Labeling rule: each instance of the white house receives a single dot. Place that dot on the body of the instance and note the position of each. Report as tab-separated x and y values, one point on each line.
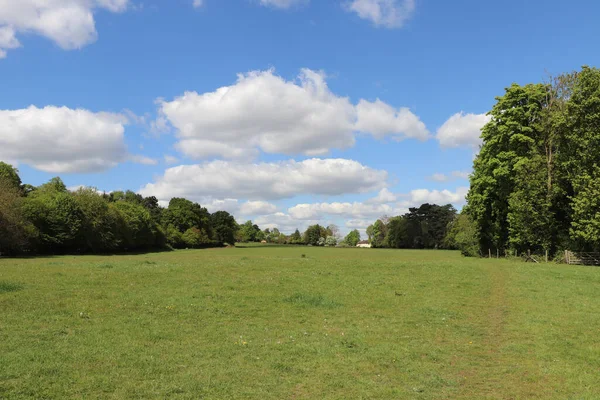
364	243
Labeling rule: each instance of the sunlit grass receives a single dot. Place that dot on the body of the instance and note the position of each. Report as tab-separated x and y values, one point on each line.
267	323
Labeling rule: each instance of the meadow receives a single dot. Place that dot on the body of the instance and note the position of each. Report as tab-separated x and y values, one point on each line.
297	323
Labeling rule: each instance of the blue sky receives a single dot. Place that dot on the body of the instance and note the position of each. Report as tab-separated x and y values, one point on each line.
330	111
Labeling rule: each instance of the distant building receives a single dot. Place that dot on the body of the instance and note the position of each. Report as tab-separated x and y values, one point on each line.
364	243
263	241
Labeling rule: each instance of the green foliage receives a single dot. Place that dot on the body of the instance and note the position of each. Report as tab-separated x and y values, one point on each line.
174	237
296	238
352	238
57	217
314	234
184	214
509	138
14	229
248	232
377	233
99	222
535	179
422	227
462	235
585	228
583	158
195	238
10	175
136	229
397	234
223	227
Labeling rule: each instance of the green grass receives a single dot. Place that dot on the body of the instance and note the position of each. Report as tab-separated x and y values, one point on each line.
267	323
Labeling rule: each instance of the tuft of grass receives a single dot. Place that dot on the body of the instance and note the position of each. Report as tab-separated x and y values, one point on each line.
6	287
106	266
148	262
311	300
303	256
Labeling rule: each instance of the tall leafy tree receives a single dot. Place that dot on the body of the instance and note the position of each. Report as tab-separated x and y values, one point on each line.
352	238
583	158
99	223
508	139
10	175
314	233
296	237
14	229
57	217
224	227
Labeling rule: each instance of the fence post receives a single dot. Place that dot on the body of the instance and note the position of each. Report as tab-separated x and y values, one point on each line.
490	253
567	256
497	253
546	255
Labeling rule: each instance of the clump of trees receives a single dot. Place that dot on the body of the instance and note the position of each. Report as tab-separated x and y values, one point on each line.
536	180
423	227
50	219
352	238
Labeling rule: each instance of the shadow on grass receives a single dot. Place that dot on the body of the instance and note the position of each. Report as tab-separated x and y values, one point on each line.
311	300
6	287
74	254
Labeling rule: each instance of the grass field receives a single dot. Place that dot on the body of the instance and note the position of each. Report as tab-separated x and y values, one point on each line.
268	323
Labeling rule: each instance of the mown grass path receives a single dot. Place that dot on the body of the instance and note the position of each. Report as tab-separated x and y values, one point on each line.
267	323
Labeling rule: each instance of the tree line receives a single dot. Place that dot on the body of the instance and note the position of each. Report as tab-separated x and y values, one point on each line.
535	184
424	227
50	219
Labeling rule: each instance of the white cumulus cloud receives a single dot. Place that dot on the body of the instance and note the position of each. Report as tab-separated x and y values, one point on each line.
62	140
266	181
264	112
462	130
381	119
441	197
385	13
356	210
68	23
257	208
384	196
284	222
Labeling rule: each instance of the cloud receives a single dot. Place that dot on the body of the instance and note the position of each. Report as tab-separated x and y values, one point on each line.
257	208
282	3
441	197
384	13
356	210
264	112
381	119
360	224
266	181
63	140
138	159
198	3
68	23
462	130
384	196
212	205
284	222
454	175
